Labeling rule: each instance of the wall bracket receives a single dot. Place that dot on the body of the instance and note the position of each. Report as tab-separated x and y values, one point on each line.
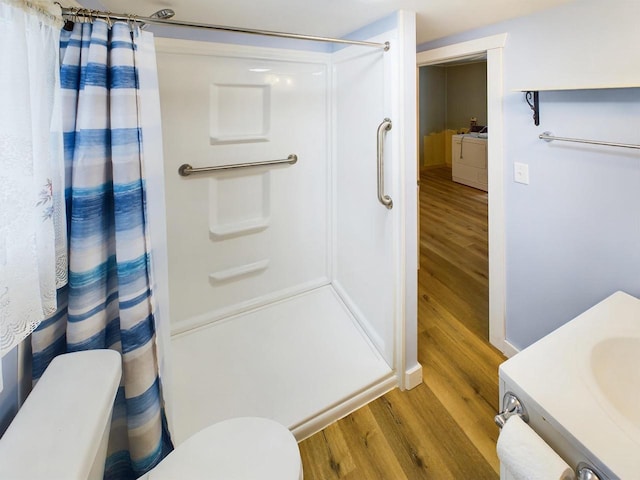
532	99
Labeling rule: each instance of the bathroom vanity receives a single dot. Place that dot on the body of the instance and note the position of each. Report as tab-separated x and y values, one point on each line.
580	385
469	160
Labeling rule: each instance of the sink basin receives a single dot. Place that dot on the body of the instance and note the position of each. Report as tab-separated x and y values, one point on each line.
614	363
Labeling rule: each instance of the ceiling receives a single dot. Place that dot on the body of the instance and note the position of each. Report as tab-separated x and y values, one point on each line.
335	18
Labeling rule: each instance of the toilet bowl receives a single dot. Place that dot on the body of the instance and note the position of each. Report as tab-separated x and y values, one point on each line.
62	432
239	448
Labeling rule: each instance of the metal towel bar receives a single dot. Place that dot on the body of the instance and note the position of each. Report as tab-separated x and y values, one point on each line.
548	136
185	169
384	199
511	405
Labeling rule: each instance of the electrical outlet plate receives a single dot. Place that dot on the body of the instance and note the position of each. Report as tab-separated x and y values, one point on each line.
521	173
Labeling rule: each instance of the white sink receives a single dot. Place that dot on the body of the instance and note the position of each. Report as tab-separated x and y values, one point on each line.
585	378
615	363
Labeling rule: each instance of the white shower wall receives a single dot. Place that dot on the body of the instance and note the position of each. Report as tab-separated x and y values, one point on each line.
246	237
287	287
365	231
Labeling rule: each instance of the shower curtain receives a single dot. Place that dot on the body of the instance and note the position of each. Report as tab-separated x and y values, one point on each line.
109	300
33	243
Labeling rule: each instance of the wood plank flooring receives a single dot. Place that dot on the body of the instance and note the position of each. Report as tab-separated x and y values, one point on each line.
442	429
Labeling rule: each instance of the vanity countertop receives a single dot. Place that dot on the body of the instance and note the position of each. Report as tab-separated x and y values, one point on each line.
585	377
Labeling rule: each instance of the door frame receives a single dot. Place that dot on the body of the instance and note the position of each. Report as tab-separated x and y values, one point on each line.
493	46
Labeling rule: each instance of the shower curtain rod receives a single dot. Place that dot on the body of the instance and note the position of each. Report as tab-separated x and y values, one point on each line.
71	13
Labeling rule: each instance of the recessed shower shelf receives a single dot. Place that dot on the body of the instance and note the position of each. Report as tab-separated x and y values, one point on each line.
238	271
220	232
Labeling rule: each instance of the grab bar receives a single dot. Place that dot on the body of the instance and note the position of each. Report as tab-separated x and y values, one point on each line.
185	169
384	199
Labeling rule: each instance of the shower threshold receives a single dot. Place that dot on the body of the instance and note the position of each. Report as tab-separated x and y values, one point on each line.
303	362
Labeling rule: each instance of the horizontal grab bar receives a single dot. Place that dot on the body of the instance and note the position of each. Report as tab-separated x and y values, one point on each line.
185	169
548	136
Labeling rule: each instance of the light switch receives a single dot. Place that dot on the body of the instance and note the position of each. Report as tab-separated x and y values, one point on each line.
521	173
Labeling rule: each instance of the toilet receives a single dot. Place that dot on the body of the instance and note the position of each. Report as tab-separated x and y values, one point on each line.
62	432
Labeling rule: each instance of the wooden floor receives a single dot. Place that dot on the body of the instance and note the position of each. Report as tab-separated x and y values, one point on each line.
443	428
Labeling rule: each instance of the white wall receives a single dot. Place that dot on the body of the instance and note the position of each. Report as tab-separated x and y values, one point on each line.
573	233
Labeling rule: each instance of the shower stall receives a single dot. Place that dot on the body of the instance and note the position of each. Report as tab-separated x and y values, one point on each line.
291	284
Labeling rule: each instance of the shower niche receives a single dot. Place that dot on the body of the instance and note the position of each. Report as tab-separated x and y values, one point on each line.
239	113
290	284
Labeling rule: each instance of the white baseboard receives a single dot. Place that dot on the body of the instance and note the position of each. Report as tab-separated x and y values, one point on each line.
314	424
508	349
413	377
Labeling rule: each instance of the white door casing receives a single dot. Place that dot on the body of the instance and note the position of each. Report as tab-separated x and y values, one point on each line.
493	46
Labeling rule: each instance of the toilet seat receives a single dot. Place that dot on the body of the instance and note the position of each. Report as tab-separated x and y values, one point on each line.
245	448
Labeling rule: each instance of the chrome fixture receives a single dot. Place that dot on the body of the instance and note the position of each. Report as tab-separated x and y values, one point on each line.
511	406
548	137
74	13
587	472
185	169
385	200
164	14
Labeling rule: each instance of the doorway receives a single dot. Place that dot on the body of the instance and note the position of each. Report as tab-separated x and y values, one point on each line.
453	194
493	48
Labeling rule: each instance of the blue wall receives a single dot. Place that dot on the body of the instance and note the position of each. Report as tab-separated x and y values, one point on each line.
10	392
573	233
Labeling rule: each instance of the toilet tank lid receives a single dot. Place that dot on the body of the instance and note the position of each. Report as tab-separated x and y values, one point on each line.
57	432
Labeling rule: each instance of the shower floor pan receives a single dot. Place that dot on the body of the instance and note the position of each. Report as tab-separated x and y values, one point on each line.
303	362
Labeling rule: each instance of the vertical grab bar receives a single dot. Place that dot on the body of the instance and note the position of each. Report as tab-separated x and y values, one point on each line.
384	199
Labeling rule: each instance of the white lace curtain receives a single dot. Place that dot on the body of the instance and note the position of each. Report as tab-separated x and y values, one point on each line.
32	212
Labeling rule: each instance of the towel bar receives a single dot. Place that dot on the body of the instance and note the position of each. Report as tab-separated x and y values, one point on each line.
549	137
511	405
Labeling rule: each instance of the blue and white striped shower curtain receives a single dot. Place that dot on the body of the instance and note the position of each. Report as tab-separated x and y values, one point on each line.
109	300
